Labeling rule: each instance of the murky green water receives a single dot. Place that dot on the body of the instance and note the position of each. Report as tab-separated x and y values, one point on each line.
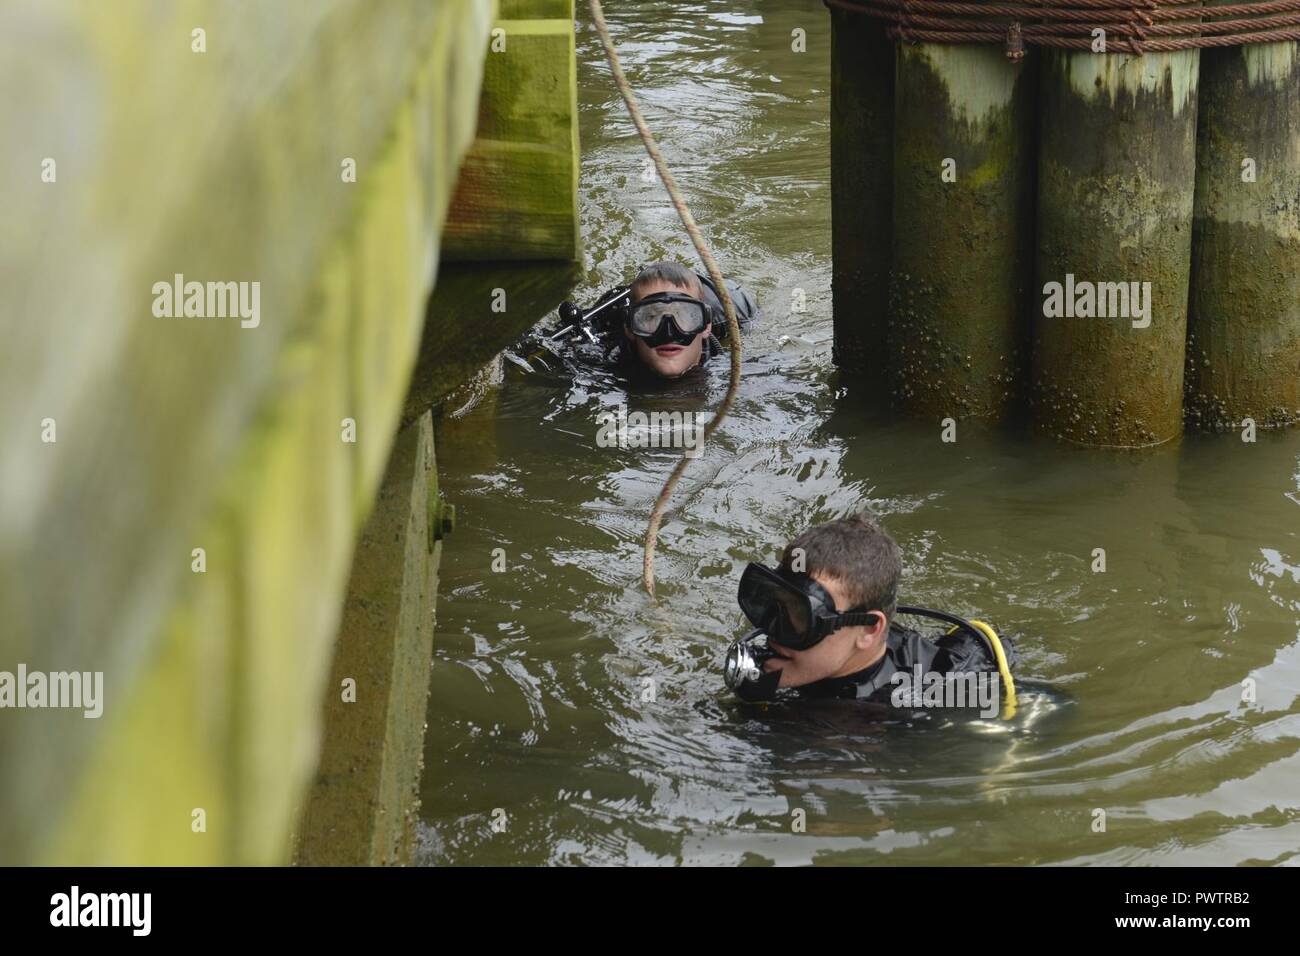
539	719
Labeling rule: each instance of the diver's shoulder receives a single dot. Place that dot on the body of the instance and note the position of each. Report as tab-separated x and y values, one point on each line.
744	301
965	651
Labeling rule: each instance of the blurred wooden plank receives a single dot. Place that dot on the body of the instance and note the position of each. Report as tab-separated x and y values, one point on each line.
517	197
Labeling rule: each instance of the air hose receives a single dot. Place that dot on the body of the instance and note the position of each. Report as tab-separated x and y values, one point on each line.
994	643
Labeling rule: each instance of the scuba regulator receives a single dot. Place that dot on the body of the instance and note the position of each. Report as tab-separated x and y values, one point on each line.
742	669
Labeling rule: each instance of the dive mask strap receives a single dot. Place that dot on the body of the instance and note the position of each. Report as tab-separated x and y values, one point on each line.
854	619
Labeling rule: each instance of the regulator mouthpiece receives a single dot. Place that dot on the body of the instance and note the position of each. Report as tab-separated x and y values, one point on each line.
743	669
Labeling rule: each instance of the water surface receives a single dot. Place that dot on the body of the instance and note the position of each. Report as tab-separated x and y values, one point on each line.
541	717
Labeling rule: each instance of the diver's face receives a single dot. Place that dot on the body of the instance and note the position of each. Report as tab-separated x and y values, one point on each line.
848	650
670	361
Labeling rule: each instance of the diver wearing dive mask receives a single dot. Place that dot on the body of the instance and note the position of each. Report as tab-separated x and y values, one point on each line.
667	322
802	641
673	321
791	613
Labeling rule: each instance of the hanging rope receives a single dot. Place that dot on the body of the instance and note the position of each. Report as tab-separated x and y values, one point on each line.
733	328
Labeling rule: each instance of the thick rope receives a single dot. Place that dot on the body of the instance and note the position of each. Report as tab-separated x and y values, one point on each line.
1135	26
733	328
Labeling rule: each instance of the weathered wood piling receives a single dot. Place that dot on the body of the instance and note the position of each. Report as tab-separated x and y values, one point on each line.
1117	166
1243	342
962	227
862	189
1121	206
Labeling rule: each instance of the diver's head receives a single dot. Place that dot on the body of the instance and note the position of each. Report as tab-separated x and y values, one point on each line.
826	609
667	322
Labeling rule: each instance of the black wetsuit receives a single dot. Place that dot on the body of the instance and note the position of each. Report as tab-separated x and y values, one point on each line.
958	653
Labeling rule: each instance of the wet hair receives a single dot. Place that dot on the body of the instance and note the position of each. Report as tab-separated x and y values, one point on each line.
670	272
857	552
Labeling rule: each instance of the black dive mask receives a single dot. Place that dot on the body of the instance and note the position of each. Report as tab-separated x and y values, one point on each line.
667	317
793	609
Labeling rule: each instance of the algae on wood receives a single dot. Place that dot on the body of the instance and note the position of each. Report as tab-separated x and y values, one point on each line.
517	197
1243	335
963	230
1117	164
174	434
362	808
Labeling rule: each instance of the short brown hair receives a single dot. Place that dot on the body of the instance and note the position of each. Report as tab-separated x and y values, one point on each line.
857	552
664	271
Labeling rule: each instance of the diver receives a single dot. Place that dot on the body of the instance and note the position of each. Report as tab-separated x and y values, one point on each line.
668	321
803	641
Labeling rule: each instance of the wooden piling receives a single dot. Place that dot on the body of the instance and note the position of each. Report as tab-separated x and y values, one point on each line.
1243	341
963	201
862	160
1117	164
